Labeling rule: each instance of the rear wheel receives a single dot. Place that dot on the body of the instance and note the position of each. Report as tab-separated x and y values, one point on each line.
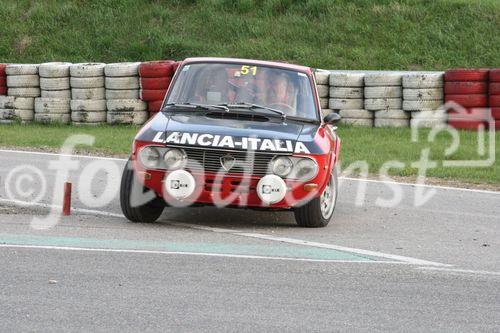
318	212
146	212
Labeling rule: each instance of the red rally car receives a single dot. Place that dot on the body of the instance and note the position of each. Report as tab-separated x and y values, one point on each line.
236	133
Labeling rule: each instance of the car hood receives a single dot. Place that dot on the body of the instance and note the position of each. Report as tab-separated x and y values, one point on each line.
273	135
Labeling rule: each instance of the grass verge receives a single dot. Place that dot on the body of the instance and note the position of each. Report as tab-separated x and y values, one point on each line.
376	146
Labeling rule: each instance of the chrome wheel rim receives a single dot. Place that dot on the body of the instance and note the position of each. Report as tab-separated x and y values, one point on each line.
327	200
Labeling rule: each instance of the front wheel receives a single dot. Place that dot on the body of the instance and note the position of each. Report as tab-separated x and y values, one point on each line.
318	212
130	195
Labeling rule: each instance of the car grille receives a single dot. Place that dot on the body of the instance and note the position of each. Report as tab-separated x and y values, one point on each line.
209	160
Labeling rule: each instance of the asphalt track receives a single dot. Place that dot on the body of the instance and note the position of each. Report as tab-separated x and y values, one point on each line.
430	268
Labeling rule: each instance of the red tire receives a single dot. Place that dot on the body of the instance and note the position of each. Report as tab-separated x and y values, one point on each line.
159	68
176	65
495	75
497	125
495	113
150	95
495	100
2	69
468	101
465	87
155	106
155	82
2	81
152	114
494	88
476	114
472	125
3	90
478	74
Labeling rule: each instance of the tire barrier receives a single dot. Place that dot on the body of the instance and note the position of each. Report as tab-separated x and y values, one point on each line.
3	80
155	78
383	96
322	83
54	104
88	95
494	92
23	86
468	88
347	98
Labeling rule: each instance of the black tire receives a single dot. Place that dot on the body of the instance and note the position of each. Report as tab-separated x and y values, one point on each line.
148	212
310	215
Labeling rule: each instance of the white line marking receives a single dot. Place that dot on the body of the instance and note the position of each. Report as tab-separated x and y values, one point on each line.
346	178
456	270
408	260
206	254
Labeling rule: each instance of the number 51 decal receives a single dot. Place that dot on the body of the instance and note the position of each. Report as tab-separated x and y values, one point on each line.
245	69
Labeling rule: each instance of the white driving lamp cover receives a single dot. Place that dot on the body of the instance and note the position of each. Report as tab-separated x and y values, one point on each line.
271	189
180	184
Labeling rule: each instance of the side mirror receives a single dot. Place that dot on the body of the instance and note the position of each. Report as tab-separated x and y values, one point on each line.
332	118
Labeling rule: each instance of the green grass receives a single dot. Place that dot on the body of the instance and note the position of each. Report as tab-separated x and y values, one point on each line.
342	34
375	146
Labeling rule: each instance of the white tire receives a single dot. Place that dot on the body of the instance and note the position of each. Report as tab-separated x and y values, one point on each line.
383	92
345	92
136	118
6	102
25	114
383	79
88	105
347	79
23	103
423	94
49	118
325	112
23	81
122	83
87	82
341	104
381	122
427	123
122	69
322	77
89	93
122	94
423	80
323	103
438	114
358	114
21	69
57	83
421	105
375	104
322	91
61	94
54	69
124	105
24	92
7	114
52	105
392	114
357	122
87	69
90	117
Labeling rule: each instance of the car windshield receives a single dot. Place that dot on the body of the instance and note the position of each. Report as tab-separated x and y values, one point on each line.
219	83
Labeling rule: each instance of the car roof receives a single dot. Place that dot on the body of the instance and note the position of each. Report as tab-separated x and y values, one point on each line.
293	67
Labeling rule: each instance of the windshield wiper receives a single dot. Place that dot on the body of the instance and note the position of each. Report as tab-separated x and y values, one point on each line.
196	106
254	106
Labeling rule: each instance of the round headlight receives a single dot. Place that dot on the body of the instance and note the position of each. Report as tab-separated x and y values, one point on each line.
306	169
282	166
175	159
149	157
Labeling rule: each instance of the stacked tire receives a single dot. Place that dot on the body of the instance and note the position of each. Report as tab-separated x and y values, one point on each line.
346	98
88	96
467	91
23	85
383	96
3	80
322	85
155	80
54	104
494	100
423	98
122	94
